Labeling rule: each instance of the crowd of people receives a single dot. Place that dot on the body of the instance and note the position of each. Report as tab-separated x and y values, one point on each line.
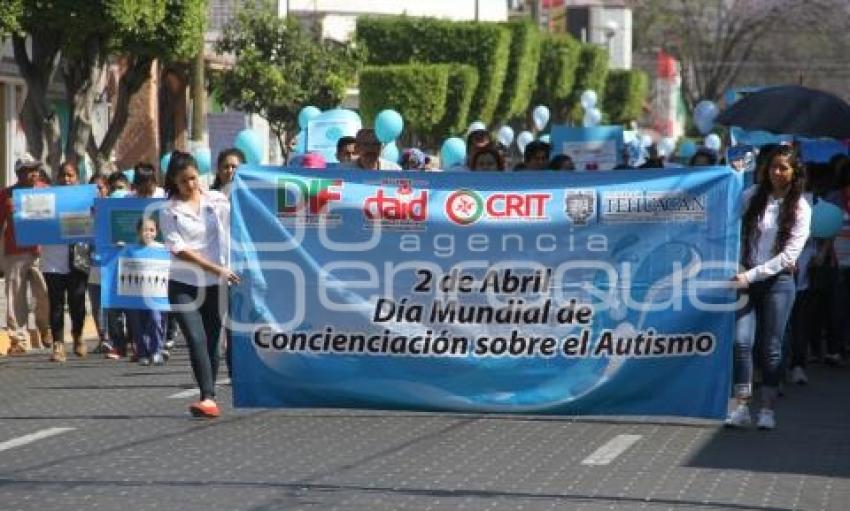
798	286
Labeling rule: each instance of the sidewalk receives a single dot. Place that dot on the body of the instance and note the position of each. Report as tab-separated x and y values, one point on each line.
89	330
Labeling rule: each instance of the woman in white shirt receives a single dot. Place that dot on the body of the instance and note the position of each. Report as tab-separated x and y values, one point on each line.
65	269
775	227
195	225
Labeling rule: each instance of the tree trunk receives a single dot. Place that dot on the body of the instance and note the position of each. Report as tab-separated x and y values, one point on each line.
82	76
40	122
137	73
199	98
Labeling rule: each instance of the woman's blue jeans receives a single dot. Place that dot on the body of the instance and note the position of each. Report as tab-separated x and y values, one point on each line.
199	317
765	315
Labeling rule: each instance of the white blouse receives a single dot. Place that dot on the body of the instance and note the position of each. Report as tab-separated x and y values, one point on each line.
206	232
766	263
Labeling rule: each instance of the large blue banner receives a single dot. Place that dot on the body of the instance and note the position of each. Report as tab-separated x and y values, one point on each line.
54	215
557	293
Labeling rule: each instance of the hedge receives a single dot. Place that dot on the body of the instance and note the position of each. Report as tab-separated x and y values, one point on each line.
625	93
416	91
559	56
591	73
463	80
403	40
521	77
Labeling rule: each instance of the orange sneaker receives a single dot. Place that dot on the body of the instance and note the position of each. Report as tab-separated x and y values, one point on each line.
206	409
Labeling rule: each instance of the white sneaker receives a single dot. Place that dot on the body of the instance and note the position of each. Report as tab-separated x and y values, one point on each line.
766	419
798	376
739	417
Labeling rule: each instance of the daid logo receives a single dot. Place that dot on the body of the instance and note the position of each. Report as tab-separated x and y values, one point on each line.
465	207
400	209
307	200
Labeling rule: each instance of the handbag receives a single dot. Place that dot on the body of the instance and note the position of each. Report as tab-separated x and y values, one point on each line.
80	257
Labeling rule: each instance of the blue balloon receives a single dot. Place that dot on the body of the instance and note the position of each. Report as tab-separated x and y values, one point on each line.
687	149
390	152
251	146
301	144
827	219
347	123
203	156
307	114
129	173
388	126
163	163
452	153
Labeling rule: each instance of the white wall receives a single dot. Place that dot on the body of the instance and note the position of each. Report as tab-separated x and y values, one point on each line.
488	10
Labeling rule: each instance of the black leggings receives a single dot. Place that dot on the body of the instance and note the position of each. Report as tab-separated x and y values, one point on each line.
72	285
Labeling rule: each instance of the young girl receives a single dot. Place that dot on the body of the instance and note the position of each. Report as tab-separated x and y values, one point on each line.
775	227
146	324
196	227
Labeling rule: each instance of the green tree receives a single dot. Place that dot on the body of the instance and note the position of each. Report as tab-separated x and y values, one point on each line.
280	68
78	39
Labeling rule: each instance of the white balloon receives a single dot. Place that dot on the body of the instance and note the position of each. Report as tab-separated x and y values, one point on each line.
713	142
588	99
666	146
540	115
505	136
476	126
592	118
523	139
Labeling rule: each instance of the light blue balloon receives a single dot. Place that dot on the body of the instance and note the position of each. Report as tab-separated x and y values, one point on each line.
827	219
203	156
388	126
452	153
390	152
251	146
307	114
301	144
130	173
347	122
163	163
687	149
119	194
545	138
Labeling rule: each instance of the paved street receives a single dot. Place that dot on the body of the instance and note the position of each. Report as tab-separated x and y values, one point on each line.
98	434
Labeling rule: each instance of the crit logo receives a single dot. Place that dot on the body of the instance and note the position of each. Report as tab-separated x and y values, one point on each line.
306	201
465	207
405	210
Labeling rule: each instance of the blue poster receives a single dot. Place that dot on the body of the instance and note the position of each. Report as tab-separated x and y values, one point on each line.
135	277
550	293
54	215
596	148
116	220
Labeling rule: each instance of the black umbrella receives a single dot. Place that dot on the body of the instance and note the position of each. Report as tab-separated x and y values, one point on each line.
791	110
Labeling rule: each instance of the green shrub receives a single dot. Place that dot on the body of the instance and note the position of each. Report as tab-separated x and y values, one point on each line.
521	77
625	93
416	91
404	40
559	56
463	80
591	73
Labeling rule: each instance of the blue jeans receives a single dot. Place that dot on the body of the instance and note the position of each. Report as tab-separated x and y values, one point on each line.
148	330
201	326
766	315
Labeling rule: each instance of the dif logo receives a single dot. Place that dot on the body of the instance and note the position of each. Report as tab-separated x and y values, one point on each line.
465	207
310	196
402	208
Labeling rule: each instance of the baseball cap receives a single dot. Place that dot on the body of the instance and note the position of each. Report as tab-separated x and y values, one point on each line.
26	161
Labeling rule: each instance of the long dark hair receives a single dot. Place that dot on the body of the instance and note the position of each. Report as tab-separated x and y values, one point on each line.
222	156
787	211
178	163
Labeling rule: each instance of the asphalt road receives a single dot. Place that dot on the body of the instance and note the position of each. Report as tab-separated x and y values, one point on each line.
97	434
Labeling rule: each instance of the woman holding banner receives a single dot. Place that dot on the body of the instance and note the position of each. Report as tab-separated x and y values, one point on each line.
775	227
195	225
